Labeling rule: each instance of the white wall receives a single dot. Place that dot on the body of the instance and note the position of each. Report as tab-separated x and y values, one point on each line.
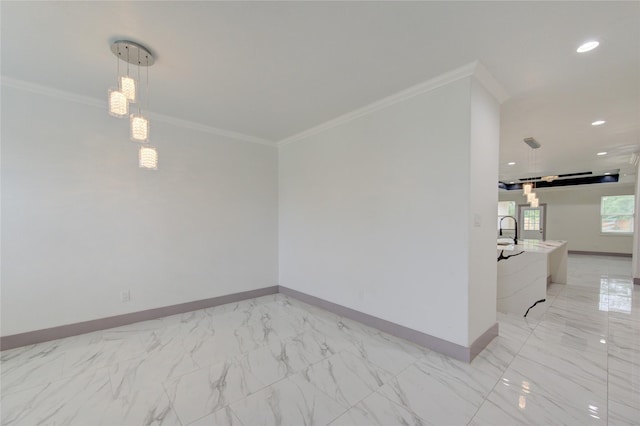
81	222
483	273
573	214
375	213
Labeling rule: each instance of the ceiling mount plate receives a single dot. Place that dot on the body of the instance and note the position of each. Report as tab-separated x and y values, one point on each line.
133	53
534	144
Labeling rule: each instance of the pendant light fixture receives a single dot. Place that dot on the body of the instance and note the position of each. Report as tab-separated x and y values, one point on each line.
139	128
528	187
128	92
118	104
148	158
128	88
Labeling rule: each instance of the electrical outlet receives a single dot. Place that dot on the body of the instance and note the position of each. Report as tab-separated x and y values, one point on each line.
125	296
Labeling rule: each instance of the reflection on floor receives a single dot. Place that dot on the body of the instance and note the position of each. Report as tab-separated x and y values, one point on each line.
574	360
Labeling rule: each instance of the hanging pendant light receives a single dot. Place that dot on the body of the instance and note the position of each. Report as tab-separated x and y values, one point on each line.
119	99
128	88
535	202
117	103
528	187
148	158
139	128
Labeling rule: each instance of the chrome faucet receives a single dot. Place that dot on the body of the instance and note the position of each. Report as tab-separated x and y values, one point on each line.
515	238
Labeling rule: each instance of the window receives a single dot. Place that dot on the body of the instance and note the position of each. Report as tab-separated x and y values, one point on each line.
506	208
531	220
616	214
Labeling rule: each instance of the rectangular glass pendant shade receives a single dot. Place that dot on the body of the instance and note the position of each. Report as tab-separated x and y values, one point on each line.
530	197
535	203
526	188
148	158
139	128
128	87
118	104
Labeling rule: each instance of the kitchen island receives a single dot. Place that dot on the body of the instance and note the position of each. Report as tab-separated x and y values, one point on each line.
524	271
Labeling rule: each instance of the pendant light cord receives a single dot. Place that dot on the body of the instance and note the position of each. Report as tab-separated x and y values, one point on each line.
147	88
139	100
118	67
127	47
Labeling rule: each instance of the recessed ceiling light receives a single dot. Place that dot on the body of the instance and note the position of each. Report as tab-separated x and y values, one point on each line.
512	182
511	163
598	122
590	45
607	173
602	153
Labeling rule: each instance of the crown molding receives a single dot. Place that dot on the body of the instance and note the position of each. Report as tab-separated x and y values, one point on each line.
473	69
97	103
483	75
51	92
434	83
179	122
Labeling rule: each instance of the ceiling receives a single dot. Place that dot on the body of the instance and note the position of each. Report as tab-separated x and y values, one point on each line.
271	70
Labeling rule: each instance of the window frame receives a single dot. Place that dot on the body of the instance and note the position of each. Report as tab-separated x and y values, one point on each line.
532	221
602	216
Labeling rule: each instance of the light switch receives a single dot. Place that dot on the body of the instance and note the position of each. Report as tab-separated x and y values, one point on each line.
477	220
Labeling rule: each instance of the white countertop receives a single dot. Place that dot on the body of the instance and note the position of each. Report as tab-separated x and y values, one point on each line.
533	246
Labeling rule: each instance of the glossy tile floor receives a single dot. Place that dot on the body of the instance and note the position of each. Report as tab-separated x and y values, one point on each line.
273	360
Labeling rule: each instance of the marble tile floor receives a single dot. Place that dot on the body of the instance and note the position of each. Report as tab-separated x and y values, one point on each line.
575	360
